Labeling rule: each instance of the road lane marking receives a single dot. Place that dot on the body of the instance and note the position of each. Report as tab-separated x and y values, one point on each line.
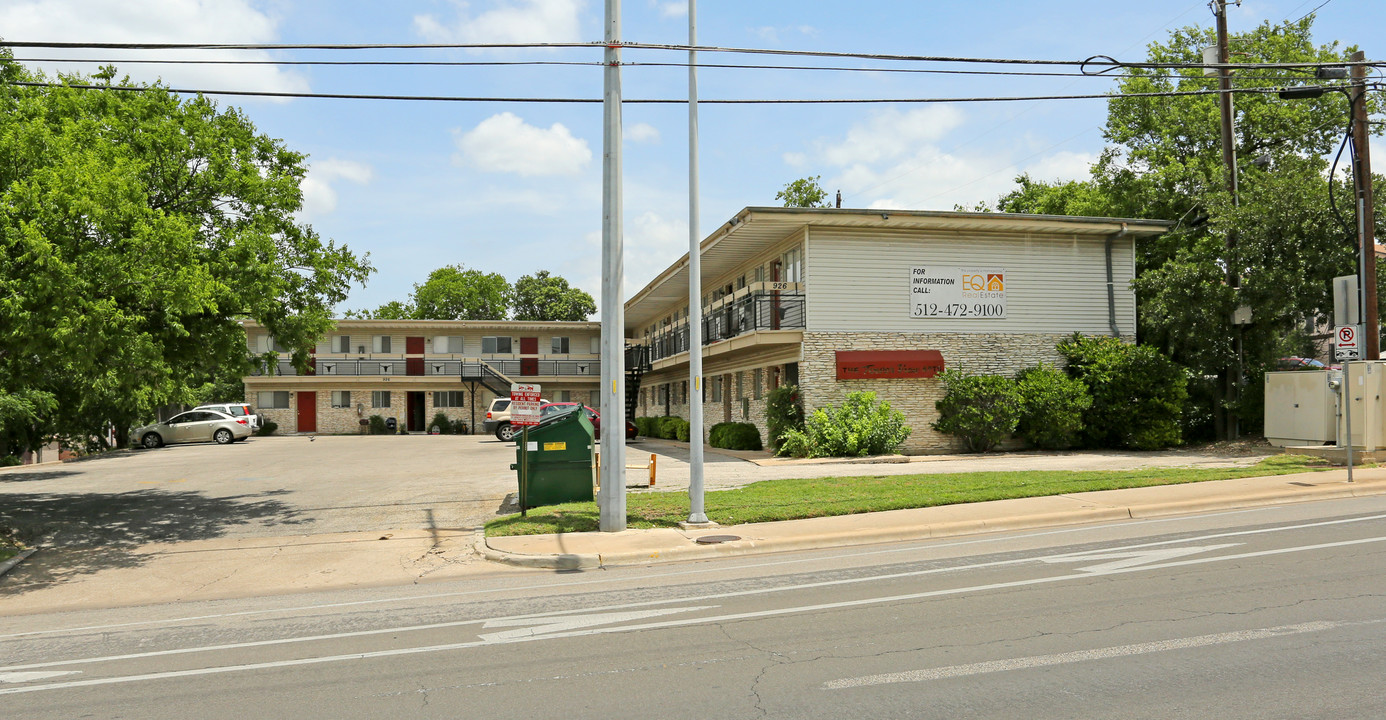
19	677
913	547
1127	559
1035	661
665	624
528	627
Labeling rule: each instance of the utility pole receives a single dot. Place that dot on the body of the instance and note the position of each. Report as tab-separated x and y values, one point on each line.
1232	374
611	501
1366	217
696	512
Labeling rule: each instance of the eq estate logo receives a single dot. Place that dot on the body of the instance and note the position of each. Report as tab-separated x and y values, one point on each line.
984	282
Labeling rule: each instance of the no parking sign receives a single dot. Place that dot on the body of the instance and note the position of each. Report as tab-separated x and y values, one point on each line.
1345	346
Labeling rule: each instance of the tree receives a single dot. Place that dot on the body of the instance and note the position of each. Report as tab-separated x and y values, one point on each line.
804	192
1164	161
456	293
546	297
136	230
393	310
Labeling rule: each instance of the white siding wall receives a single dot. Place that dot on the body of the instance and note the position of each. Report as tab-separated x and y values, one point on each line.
859	281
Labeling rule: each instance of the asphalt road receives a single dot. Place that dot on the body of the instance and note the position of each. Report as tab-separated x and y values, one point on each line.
1273	612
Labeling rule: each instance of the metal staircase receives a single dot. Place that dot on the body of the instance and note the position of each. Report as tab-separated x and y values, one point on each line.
637	364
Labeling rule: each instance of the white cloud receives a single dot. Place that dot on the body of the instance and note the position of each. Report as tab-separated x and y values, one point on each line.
672	9
773	34
505	143
509	21
641	133
651	242
155	21
895	160
319	196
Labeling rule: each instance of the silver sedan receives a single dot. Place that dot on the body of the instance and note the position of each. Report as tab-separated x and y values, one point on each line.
193	426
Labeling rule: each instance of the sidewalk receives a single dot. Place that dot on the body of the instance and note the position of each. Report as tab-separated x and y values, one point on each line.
633	547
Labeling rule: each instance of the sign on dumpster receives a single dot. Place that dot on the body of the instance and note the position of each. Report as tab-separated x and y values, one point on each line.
524	404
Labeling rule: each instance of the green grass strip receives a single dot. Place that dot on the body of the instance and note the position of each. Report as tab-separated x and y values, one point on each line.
772	500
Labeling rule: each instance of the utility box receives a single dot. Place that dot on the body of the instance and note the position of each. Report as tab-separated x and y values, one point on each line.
559	459
1302	408
1362	389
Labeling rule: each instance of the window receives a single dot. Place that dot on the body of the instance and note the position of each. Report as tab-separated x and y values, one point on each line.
272	400
560	346
716	384
382	343
341	398
757	380
341	344
596	345
564	395
740	387
495	346
449	398
447	344
683	392
759	273
791	271
268	343
380	398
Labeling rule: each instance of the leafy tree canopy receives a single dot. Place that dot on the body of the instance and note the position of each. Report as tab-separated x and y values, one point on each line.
136	230
456	293
1164	161
544	297
804	192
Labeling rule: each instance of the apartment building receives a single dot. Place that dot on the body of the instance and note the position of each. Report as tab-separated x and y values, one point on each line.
412	369
837	301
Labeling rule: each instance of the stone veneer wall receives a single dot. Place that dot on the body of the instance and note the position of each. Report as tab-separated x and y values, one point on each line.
975	354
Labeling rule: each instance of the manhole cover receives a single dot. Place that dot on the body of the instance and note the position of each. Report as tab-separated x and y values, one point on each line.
714	539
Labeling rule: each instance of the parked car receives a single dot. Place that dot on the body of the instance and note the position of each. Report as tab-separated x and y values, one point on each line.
193	426
235	410
498	419
1300	363
593	415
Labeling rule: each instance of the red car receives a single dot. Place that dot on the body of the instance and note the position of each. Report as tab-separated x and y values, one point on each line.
593	415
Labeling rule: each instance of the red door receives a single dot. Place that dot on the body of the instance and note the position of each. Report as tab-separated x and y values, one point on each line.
529	366
529	346
413	346
413	366
307	411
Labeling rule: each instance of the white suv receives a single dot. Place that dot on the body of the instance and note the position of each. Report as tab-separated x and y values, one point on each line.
235	410
498	419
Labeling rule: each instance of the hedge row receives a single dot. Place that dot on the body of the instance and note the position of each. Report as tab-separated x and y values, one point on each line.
735	436
668	427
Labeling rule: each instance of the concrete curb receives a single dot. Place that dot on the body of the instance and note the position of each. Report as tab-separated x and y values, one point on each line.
10	564
1096	512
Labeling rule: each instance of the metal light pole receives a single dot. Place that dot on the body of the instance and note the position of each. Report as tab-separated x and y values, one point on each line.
695	289
611	500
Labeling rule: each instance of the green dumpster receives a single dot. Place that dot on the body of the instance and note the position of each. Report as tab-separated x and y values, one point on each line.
559	458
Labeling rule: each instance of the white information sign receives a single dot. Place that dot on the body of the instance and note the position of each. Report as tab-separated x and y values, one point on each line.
1345	343
524	404
937	291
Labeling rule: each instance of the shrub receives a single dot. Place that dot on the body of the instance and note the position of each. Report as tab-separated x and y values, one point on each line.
267	427
682	429
668	427
1137	393
645	426
783	412
735	436
440	419
378	425
981	410
10	460
860	427
460	427
1051	407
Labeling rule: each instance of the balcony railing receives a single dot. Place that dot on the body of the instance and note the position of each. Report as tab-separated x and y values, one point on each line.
722	321
424	367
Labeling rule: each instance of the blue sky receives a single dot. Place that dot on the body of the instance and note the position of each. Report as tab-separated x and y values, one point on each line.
515	188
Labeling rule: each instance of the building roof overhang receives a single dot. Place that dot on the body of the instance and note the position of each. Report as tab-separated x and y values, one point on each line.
755	229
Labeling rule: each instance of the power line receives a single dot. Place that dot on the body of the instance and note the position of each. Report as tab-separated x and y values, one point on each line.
650	101
1093	60
575	63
